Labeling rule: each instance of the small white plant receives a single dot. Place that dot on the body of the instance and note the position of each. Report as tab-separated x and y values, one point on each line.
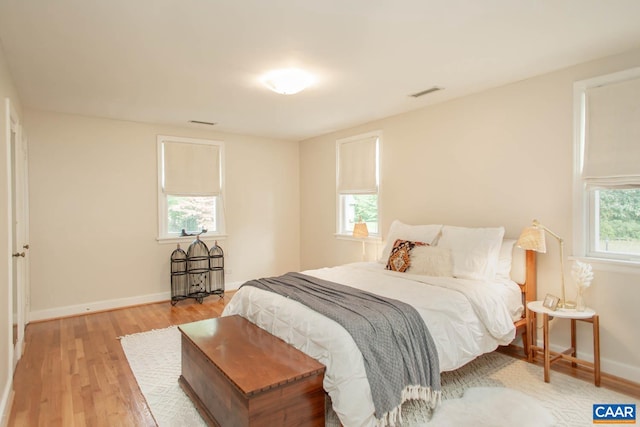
582	274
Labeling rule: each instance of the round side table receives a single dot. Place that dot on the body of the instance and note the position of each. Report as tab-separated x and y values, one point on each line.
588	315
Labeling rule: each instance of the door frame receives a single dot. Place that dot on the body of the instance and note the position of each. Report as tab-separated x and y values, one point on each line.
13	126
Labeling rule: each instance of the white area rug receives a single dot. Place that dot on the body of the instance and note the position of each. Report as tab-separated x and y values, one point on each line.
154	358
494	390
492	406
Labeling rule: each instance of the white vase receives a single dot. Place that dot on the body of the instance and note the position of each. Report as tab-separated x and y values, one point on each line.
580	305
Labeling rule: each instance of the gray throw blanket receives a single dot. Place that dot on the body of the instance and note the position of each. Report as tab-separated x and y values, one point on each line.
399	354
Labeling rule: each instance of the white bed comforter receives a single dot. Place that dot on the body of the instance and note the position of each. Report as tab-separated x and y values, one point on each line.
465	318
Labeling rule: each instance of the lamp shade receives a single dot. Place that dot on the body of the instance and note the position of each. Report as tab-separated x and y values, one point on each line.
532	238
360	230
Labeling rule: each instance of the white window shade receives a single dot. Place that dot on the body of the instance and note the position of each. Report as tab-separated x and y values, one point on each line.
612	149
191	169
357	167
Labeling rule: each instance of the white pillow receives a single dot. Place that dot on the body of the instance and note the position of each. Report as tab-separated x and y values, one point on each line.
431	261
518	265
414	233
475	251
505	259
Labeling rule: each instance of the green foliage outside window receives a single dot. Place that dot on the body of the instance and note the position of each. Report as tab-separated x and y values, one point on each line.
191	214
619	220
366	207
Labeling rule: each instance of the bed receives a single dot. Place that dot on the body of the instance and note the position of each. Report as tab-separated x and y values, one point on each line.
469	285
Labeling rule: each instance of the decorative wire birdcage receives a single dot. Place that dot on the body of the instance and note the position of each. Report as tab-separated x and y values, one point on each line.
179	288
216	267
198	274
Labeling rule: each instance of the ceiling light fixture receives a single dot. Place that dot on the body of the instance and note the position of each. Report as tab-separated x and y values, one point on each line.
288	81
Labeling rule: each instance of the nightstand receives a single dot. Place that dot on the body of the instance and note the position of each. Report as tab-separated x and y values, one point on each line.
588	315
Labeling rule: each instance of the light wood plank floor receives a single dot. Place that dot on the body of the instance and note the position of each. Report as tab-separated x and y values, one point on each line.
74	372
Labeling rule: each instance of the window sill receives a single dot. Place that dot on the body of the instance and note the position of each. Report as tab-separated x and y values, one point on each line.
188	239
612	265
370	239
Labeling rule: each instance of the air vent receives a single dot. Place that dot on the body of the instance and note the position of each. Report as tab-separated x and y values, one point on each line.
424	92
200	122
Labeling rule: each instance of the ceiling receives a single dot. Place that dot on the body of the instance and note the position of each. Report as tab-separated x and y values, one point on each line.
171	61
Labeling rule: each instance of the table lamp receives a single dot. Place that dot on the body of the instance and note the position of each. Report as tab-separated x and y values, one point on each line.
360	231
532	238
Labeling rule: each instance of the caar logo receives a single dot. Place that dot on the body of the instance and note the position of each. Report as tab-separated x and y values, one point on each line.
604	413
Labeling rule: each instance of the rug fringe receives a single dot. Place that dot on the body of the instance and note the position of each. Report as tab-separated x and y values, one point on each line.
393	418
146	332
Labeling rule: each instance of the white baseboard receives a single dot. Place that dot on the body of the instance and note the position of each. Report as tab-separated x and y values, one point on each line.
74	310
7	402
233	286
628	372
611	367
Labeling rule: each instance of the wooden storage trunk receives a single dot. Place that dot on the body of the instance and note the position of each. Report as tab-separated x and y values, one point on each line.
240	375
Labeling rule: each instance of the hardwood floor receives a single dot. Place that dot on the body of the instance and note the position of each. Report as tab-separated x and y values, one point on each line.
610	382
74	372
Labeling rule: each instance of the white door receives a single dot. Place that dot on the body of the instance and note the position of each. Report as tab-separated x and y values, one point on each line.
19	230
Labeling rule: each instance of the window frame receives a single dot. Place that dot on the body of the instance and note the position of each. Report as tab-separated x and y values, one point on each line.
341	232
163	235
585	202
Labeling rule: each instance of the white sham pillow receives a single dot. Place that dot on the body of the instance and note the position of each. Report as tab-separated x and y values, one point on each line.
518	271
414	233
475	251
503	270
431	261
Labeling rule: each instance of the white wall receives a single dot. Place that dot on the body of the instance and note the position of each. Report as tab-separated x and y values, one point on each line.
7	90
93	191
500	157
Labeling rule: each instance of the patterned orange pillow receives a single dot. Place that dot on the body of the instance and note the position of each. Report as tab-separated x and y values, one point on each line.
400	258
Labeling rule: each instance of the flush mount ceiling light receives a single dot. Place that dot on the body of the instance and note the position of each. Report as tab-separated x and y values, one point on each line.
288	81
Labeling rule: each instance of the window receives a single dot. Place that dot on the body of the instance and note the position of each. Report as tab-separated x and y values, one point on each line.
357	182
190	182
607	166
